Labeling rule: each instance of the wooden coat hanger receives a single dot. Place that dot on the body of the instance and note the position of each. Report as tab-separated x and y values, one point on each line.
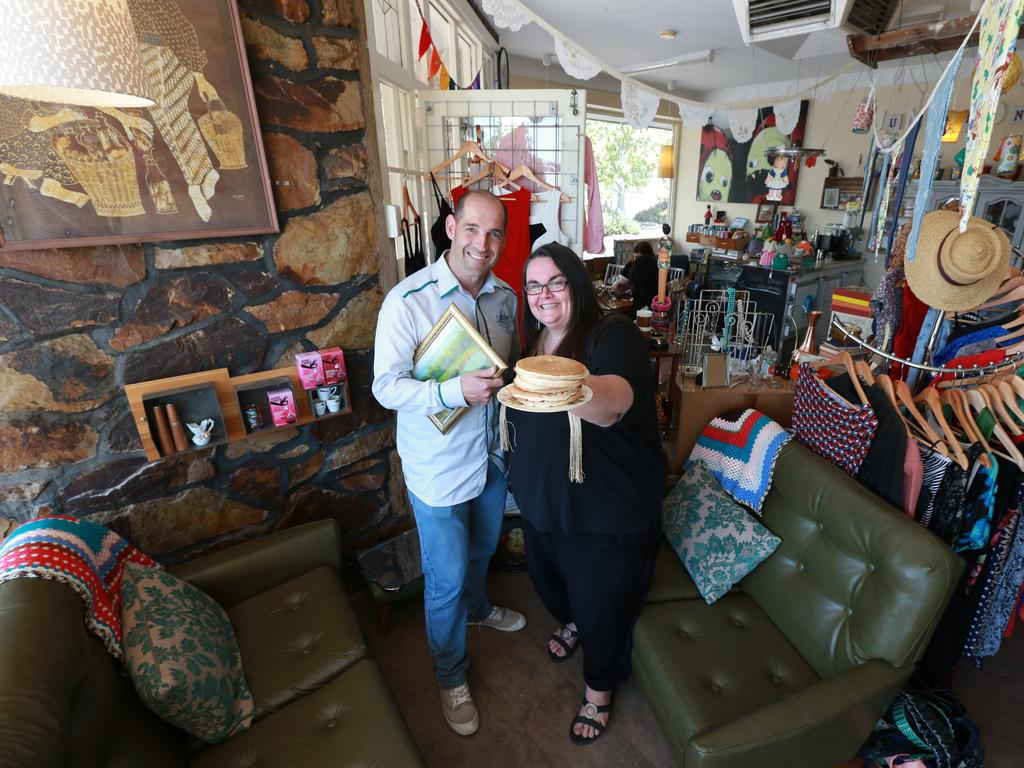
918	421
470	148
523	171
977	401
1016	294
493	171
407	205
844	359
996	401
1009	397
933	401
885	384
864	371
1015	383
961	409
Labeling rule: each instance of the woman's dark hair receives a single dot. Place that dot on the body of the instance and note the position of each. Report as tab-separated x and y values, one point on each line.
586	310
643	248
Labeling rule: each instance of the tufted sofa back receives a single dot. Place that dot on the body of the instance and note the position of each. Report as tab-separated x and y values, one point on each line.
854	579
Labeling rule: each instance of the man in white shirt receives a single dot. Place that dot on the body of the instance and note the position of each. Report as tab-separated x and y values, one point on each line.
456	481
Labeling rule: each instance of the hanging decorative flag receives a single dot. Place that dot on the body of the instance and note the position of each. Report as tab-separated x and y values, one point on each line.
435	62
1000	25
935	131
475	85
444	79
425	40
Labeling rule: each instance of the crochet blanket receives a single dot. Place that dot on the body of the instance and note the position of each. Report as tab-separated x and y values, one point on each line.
741	454
87	557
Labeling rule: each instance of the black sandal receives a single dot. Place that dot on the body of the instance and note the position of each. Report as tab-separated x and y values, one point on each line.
563	641
589	717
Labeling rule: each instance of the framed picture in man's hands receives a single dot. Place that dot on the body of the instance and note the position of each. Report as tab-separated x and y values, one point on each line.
452	348
190	166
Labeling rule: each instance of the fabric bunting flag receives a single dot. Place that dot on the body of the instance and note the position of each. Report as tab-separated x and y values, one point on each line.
444	79
997	39
435	63
475	85
425	40
933	131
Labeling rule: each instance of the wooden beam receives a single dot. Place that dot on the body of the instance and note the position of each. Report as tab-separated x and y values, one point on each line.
912	41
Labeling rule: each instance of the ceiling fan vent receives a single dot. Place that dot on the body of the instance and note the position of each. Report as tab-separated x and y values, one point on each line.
871	17
771	19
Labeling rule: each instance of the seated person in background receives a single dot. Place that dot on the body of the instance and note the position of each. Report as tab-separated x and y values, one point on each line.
640	274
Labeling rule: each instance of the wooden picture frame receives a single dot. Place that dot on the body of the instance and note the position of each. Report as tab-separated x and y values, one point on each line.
837	191
191	166
452	348
765	213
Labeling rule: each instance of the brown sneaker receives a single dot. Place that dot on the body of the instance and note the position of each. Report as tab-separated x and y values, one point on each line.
459	710
503	620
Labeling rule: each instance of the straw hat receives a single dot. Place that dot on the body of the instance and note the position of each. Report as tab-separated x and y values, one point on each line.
955	270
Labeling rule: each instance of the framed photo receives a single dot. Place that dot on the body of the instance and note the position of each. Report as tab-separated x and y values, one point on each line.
830	197
765	213
740	222
190	166
452	347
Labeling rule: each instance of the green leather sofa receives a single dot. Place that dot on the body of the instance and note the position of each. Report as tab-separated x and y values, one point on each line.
320	700
793	668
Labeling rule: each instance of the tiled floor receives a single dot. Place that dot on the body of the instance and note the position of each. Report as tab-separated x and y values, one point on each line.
527	703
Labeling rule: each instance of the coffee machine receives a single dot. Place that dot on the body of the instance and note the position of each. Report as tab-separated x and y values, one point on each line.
834	242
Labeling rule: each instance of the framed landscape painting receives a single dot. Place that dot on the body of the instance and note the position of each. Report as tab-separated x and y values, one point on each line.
452	347
190	166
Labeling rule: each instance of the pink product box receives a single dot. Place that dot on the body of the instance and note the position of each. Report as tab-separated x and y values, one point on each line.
282	406
334	365
311	369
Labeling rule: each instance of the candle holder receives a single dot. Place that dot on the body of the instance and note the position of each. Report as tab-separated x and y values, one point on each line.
661	307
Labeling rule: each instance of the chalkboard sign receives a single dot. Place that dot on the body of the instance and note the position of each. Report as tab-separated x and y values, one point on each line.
769	290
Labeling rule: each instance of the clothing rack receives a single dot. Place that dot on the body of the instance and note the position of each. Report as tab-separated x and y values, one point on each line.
974	370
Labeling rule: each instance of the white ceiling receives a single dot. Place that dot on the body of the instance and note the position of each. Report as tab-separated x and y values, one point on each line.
625	32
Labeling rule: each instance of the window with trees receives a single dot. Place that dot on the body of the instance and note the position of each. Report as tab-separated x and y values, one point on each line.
634	201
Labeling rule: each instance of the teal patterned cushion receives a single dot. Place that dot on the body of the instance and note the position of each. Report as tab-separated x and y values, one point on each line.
718	541
182	656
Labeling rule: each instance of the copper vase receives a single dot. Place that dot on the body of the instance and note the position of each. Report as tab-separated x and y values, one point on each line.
808	348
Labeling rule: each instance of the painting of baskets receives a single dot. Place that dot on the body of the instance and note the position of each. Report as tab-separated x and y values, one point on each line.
104	165
189	166
223	132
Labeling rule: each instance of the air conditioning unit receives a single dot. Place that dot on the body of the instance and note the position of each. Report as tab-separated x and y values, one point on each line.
773	19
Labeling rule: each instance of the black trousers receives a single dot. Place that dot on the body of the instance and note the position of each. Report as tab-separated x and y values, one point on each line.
599	582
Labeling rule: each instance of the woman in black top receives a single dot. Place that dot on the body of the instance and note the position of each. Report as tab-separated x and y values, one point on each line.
641	274
590	546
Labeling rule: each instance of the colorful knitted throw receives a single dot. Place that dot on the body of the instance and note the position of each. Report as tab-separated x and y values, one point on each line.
87	557
741	454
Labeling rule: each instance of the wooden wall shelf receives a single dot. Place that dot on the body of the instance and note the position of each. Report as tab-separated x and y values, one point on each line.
226	388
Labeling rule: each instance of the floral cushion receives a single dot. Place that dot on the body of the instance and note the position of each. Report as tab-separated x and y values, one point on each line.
182	655
718	541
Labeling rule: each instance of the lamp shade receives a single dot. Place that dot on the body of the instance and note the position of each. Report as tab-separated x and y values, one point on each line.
666	162
82	52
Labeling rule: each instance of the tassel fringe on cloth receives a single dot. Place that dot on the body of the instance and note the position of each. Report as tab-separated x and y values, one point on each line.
575	442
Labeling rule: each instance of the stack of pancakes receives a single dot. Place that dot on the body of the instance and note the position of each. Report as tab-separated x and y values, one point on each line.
547	381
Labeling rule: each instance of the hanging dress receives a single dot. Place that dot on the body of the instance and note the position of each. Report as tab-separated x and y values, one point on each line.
413	244
438	234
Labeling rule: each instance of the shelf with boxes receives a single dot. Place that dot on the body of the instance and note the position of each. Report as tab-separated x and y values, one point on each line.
198	410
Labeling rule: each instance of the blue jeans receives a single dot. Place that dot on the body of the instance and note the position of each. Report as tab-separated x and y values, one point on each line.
456	544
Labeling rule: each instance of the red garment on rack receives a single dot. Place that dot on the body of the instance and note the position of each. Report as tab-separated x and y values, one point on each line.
981	359
517	240
912	314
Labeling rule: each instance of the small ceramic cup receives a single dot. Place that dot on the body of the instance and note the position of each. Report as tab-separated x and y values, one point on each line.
325	393
334	404
319	407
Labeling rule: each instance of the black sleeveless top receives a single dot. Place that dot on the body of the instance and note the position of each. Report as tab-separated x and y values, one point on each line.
438	235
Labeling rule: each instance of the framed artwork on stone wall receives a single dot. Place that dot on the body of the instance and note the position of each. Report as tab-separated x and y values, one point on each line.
190	166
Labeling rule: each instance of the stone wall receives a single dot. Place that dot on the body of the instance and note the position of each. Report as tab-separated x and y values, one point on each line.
75	325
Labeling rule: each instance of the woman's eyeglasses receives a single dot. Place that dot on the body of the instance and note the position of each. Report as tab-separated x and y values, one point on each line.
556	285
